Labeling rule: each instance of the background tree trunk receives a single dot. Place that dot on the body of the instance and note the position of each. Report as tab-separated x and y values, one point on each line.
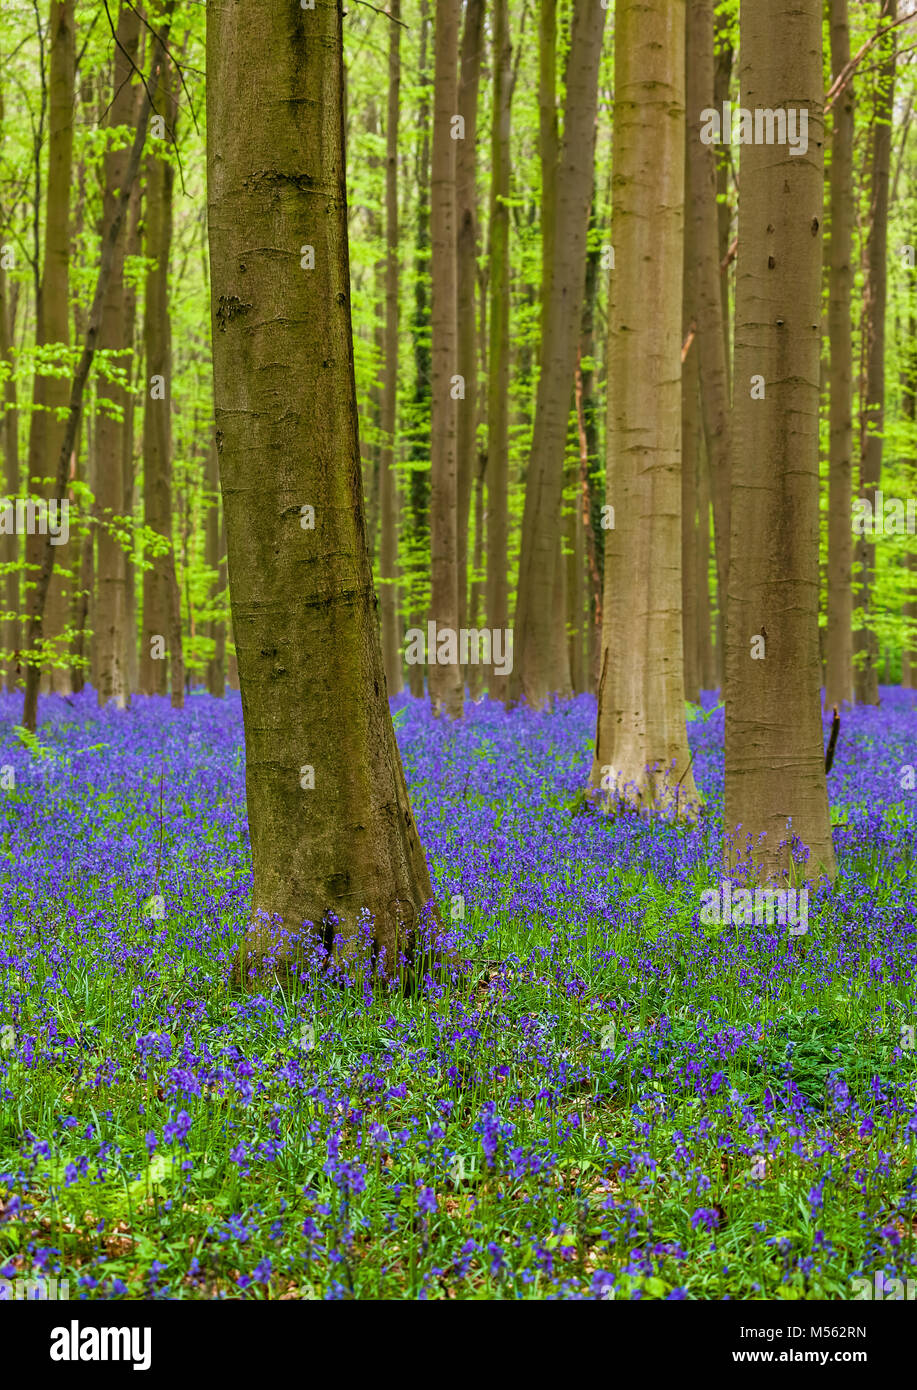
313	690
775	762
158	638
216	666
839	636
52	325
499	344
540	666
419	491
110	608
872	417
711	339
466	201
388	497
446	691
9	437
641	752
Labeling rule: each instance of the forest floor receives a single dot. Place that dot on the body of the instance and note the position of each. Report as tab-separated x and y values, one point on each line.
611	1100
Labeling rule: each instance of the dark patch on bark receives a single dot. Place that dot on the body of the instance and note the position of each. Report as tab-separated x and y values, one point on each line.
230	307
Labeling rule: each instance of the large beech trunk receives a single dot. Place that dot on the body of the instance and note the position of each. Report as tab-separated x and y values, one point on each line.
641	751
332	831
775	762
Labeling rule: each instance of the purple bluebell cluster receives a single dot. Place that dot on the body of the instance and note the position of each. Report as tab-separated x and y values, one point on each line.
610	1098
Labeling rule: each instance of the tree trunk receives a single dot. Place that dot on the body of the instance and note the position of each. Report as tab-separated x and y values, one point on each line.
388	497
111	616
112	238
499	340
536	669
466	203
708	281
9	437
707	673
574	556
690	429
908	356
52	325
419	491
775	761
839	640
331	827
158	637
132	248
591	495
872	419
216	666
446	690
722	81
641	753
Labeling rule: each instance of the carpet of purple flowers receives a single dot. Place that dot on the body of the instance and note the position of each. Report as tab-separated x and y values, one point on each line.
610	1100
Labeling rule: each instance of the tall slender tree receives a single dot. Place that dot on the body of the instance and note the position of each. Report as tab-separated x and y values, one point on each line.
446	690
872	417
388	496
499	344
839	635
701	206
9	438
111	634
466	204
641	747
775	765
52	325
216	666
540	665
331	827
419	486
160	642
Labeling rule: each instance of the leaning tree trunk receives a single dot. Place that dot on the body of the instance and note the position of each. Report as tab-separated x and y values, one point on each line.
641	749
331	827
52	325
388	497
158	636
872	419
839	637
539	657
775	764
111	604
499	344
